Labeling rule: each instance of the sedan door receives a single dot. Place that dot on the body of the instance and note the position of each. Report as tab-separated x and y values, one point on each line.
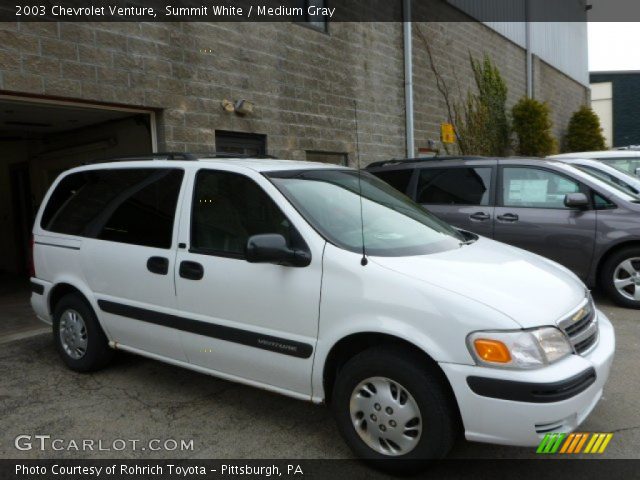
531	214
460	195
257	322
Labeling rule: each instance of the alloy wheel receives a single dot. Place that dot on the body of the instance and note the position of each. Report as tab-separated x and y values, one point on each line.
626	278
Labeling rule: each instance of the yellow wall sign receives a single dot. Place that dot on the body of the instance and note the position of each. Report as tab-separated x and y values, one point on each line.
447	134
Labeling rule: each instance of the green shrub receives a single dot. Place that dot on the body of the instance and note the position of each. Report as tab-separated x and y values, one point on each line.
481	121
584	133
532	126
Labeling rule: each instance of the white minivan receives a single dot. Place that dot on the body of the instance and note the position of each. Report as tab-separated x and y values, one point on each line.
325	284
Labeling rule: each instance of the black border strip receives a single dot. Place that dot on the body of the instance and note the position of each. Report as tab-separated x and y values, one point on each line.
530	391
37	288
221	332
56	245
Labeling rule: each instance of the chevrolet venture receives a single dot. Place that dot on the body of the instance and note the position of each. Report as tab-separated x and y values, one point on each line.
280	275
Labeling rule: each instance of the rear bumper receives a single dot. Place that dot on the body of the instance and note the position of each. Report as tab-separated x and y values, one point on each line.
39	295
518	407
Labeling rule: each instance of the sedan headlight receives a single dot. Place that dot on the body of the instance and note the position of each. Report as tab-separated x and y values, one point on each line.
519	348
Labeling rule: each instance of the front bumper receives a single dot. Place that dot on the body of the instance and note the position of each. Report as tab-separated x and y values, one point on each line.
522	415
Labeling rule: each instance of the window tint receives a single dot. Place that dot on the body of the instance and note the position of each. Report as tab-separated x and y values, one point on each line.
602	203
533	187
398	179
134	206
228	208
454	186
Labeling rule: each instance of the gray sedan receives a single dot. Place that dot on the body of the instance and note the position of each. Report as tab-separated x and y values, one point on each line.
583	222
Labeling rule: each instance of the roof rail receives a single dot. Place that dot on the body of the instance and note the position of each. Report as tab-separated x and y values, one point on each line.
178	156
435	158
153	156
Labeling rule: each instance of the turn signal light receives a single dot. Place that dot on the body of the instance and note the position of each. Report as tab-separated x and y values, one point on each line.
492	350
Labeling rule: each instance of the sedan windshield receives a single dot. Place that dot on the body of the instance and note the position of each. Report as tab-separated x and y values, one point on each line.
389	223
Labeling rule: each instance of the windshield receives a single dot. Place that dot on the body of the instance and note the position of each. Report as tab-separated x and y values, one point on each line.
393	224
607	184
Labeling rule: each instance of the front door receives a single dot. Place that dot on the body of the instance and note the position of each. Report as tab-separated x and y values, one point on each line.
253	321
461	196
532	215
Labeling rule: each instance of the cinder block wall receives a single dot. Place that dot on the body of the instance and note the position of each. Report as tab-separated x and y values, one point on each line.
301	81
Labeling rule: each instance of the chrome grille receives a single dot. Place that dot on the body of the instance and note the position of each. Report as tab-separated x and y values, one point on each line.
581	327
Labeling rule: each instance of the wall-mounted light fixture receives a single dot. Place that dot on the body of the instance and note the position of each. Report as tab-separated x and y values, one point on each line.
241	107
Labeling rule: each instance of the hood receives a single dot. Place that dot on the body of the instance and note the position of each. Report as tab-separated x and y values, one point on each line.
531	290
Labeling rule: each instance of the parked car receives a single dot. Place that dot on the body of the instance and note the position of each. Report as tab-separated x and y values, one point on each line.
590	226
280	275
630	183
627	161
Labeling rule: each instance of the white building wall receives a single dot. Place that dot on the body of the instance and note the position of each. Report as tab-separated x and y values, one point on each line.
602	104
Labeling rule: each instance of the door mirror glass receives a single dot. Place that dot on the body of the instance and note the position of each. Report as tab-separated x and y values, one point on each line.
576	200
272	248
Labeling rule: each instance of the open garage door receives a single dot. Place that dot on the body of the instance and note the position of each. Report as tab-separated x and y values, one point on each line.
39	139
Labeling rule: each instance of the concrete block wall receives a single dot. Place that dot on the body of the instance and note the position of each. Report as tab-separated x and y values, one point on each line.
301	81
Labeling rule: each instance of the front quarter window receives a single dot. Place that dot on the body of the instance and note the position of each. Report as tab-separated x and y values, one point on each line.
391	223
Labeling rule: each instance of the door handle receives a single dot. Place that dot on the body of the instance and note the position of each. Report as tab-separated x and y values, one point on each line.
508	217
191	270
480	216
159	265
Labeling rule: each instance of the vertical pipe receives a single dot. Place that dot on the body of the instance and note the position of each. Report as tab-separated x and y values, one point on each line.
529	56
408	76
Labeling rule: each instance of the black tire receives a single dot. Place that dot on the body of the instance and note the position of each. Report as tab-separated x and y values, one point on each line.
97	353
423	381
608	272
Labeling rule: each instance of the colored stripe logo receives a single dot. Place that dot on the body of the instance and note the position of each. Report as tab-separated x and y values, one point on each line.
574	443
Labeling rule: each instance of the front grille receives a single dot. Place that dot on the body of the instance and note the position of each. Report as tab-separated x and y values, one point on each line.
582	328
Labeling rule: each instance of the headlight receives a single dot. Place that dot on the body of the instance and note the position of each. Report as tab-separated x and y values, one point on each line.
519	348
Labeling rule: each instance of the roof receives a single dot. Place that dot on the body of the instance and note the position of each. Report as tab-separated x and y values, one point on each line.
600	154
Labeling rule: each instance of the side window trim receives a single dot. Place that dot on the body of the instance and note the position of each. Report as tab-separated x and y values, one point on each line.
500	191
221	253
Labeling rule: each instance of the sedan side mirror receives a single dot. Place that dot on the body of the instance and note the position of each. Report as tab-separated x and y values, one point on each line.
576	200
272	248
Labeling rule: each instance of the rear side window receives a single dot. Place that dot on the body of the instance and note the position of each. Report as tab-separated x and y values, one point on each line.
454	186
135	206
398	179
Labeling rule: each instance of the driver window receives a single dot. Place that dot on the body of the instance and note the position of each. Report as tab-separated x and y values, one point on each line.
227	209
535	188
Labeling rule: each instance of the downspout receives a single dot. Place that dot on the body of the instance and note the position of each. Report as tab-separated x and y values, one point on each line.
408	76
529	56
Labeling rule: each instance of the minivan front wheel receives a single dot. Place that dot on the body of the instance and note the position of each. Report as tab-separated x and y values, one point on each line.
392	405
79	339
621	277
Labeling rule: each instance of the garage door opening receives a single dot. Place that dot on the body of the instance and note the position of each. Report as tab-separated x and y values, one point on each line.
39	139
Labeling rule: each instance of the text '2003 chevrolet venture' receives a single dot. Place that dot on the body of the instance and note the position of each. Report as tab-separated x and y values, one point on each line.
253	271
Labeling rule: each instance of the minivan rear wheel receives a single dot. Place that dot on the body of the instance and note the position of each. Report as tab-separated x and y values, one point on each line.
393	409
78	337
620	277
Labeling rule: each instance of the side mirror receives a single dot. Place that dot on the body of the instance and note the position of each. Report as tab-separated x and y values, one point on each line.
272	248
638	172
576	200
